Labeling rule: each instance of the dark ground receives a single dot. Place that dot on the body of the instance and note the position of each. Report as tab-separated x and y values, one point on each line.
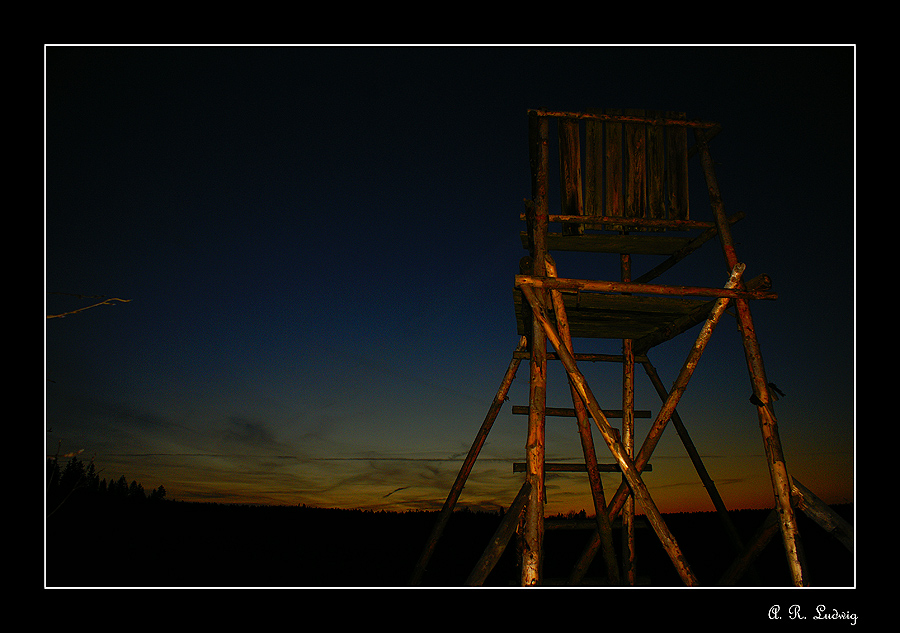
174	544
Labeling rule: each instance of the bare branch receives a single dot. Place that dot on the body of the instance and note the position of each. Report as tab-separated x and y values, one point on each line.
105	302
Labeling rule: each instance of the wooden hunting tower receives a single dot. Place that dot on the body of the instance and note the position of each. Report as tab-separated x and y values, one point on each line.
623	190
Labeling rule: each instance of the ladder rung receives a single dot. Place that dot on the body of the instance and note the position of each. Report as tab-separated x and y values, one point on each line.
555	467
570	413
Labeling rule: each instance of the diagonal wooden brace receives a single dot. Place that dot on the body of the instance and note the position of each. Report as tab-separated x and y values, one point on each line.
679	387
587	442
629	470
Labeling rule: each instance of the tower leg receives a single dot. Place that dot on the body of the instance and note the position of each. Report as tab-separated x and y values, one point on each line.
466	468
768	425
628	537
533	541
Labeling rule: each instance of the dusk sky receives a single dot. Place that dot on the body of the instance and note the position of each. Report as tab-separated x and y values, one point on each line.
318	246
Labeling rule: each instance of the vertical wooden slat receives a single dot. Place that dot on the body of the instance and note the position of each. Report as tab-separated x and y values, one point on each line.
570	173
677	168
656	165
636	167
615	202
593	167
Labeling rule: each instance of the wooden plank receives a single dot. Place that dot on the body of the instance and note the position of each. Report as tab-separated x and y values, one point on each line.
635	167
570	173
656	164
614	183
593	168
609	243
677	169
593	315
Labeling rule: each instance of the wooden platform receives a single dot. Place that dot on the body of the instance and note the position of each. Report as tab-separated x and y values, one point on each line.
642	244
599	315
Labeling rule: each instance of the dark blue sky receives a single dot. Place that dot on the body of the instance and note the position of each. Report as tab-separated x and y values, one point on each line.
319	244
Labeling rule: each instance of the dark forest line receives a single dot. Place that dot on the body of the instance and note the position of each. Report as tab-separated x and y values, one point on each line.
114	534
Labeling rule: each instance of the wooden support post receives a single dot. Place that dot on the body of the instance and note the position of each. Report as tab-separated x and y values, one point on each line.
587	441
533	530
628	539
500	539
466	468
781	484
631	473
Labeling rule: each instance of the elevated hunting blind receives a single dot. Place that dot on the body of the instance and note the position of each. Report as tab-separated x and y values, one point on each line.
623	179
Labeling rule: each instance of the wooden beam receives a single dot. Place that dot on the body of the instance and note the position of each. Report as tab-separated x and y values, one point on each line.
564	412
589	285
608	243
565	467
766	531
614	115
594	222
592	358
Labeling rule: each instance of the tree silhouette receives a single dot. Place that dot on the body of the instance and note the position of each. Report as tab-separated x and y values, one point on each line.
78	483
